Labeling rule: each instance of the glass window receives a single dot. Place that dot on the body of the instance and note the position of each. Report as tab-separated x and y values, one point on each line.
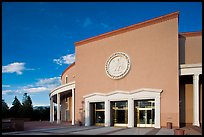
100	118
100	105
66	79
144	103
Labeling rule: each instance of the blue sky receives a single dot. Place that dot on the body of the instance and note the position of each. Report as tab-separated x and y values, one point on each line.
38	37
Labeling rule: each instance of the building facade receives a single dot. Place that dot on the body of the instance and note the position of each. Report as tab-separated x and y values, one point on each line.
143	75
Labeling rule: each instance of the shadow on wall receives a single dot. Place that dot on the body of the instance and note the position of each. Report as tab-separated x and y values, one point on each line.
182	43
182	102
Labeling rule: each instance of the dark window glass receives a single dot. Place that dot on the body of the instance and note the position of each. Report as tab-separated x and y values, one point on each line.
100	105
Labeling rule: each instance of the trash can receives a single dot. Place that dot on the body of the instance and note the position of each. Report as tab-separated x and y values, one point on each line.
179	131
169	125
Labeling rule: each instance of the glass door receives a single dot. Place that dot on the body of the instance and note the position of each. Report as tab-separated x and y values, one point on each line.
120	113
144	113
145	117
99	114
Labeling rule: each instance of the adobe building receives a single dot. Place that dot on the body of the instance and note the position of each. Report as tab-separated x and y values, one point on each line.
143	75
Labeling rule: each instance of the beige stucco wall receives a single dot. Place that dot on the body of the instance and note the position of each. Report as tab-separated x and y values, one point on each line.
190	49
153	51
70	72
186	99
189	103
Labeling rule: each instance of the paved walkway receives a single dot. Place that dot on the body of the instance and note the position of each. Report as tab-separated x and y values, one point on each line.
46	128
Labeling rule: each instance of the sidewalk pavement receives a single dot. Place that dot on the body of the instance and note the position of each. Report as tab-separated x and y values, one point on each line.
67	129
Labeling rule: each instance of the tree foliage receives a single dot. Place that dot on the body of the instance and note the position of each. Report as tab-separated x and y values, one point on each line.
27	107
25	110
16	109
41	113
5	109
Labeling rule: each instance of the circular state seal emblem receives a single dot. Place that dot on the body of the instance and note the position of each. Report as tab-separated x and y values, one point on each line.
117	65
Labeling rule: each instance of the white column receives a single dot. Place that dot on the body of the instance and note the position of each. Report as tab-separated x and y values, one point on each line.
130	112
58	108
107	113
73	106
196	100
157	112
87	114
51	110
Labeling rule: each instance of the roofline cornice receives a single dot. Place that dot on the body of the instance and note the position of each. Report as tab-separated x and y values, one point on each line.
191	34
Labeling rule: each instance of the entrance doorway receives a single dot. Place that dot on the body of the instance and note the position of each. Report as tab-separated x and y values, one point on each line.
144	113
98	113
119	113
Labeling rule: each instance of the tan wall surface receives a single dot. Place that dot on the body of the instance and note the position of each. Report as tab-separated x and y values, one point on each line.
186	95
153	51
70	72
189	103
190	49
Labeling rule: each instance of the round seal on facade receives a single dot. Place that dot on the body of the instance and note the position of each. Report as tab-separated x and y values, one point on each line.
117	65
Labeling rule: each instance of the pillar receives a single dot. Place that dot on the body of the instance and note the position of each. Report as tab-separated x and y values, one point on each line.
107	113
73	106
157	113
196	100
51	110
87	113
130	112
58	108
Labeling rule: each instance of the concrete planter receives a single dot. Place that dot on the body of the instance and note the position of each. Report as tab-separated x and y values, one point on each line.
179	131
79	123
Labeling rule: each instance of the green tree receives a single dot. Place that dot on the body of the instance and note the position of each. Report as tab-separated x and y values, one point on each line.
41	113
27	106
16	109
36	115
5	109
